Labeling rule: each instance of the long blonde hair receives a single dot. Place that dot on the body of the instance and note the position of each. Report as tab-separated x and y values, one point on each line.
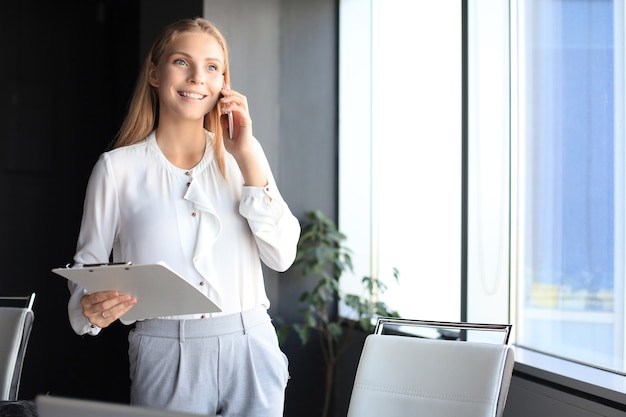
143	111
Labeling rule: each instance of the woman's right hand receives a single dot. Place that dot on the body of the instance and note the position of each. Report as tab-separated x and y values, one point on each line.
104	307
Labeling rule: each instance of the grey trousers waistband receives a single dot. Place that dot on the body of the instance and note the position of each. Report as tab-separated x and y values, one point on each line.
207	327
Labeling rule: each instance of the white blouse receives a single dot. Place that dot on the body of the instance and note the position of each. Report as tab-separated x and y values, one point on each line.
212	231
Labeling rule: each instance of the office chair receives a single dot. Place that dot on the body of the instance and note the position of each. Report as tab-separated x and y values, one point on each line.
16	322
400	375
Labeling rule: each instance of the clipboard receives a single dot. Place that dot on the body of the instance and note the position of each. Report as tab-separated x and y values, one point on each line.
159	290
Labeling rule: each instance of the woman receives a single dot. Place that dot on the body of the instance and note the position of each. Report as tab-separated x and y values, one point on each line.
181	187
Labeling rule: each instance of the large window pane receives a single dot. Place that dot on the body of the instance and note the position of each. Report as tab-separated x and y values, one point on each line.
570	180
400	150
489	129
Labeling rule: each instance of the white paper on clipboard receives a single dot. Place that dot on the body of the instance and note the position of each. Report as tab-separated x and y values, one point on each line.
159	290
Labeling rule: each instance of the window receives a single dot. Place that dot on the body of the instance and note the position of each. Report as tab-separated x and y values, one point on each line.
569	182
546	174
400	169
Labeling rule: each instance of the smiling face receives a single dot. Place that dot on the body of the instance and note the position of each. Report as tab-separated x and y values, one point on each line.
188	77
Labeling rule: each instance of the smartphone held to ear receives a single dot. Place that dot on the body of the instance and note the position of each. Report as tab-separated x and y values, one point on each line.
230	121
230	125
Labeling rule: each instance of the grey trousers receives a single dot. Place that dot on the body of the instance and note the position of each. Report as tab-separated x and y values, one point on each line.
229	365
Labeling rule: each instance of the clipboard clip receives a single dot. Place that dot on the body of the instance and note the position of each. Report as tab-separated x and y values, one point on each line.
106	264
69	264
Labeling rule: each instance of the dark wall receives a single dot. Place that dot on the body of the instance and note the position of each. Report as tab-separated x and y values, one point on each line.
65	81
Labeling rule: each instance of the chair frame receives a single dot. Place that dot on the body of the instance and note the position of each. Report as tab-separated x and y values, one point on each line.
16	358
505	328
26	301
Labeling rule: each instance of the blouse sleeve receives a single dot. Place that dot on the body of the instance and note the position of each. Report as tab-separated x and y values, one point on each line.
98	229
276	230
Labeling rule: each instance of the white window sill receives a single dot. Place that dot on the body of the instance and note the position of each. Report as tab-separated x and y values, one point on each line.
596	383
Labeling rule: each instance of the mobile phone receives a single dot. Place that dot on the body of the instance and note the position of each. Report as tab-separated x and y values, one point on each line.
230	125
230	115
107	264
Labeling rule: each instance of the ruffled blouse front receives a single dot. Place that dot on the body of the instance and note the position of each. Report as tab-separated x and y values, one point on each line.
213	231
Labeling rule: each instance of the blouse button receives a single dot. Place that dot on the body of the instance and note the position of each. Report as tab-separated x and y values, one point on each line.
188	184
201	283
203	316
188	173
194	214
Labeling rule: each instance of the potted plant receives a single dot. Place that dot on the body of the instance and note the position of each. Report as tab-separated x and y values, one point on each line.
322	254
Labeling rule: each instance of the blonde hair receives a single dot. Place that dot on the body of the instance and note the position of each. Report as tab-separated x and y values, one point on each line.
142	116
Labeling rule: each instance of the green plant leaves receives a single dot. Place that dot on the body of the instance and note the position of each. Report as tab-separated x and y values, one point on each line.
322	254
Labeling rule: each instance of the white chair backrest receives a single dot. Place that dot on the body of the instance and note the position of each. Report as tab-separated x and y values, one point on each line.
405	376
15	327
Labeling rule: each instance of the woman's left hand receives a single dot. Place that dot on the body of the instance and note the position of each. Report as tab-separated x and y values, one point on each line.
240	139
240	144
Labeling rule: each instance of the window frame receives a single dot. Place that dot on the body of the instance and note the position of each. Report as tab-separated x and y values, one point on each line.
602	386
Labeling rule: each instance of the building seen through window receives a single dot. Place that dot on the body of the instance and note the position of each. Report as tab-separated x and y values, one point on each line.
571	181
